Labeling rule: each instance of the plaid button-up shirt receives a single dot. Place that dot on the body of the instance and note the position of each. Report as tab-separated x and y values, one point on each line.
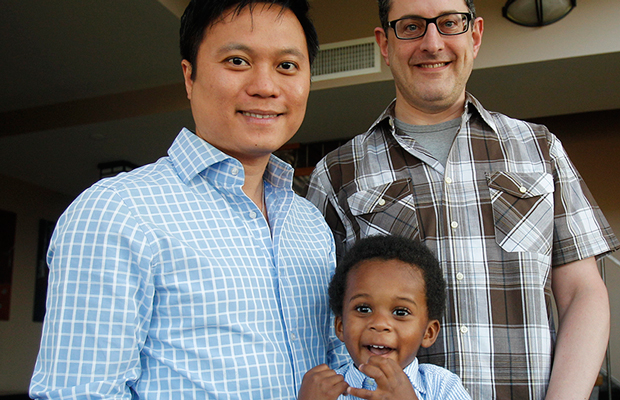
508	206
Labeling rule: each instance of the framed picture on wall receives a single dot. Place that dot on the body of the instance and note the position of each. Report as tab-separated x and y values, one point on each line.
8	221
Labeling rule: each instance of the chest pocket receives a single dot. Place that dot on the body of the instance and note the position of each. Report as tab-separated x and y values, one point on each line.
385	209
522	211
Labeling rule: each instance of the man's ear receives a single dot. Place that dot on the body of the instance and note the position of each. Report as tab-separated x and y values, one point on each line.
187	75
339	328
381	38
432	331
477	29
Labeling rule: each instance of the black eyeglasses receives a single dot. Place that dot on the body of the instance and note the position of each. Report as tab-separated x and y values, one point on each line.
409	28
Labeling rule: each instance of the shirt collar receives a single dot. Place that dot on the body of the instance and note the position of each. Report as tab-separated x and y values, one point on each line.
412	371
472	105
192	155
356	378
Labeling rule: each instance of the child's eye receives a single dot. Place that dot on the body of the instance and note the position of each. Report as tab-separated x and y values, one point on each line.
363	309
401	312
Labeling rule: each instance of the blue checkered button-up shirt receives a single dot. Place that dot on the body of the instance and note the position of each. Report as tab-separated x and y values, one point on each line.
167	282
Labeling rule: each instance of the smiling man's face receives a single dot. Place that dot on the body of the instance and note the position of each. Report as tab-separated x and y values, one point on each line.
384	312
431	72
251	84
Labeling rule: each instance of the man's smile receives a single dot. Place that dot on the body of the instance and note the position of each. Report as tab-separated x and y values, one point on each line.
432	66
260	115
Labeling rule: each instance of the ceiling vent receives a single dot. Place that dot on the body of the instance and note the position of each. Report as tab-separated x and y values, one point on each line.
349	58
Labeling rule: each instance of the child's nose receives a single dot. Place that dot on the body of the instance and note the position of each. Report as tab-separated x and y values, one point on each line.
380	322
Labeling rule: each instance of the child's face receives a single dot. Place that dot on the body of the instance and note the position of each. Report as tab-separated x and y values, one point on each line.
384	312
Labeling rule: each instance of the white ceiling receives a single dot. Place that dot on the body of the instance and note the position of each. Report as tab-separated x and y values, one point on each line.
91	81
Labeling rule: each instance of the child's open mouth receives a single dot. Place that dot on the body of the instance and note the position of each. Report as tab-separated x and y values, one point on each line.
379	350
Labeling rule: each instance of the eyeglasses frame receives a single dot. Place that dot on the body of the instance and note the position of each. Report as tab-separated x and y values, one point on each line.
468	15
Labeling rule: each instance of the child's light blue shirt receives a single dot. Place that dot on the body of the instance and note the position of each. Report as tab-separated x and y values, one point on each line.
428	380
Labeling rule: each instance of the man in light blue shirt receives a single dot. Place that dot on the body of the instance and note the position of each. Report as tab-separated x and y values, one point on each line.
202	275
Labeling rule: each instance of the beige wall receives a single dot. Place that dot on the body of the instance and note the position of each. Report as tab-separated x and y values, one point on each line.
19	336
504	43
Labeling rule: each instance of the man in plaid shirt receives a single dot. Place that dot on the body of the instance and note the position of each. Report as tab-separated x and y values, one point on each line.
496	199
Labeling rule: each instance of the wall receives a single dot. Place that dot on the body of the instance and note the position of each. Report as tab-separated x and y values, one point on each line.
504	43
20	336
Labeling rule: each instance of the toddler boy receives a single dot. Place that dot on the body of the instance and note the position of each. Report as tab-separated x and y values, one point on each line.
388	294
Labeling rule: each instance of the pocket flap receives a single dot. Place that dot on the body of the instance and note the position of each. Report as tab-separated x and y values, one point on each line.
520	184
378	198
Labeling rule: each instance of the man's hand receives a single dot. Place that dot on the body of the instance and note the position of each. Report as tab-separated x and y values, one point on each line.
392	382
322	383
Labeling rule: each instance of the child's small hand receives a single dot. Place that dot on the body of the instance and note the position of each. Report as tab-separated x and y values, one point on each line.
323	383
392	382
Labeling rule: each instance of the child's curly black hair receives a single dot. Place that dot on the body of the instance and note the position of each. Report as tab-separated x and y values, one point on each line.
392	248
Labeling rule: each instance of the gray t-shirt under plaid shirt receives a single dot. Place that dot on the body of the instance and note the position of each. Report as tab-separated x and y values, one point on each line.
437	139
506	208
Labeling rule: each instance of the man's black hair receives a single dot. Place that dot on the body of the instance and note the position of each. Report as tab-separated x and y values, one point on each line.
387	248
202	14
384	10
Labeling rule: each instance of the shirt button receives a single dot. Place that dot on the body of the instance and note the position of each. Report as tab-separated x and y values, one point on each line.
293	336
522	189
234	171
448	180
460	276
464	329
252	214
382	202
454	224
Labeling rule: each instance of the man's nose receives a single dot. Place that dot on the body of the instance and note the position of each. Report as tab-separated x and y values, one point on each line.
263	83
432	41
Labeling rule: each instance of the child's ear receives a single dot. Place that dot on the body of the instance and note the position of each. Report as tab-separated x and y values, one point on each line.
339	328
432	330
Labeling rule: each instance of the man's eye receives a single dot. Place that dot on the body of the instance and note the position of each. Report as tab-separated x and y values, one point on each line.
237	61
288	66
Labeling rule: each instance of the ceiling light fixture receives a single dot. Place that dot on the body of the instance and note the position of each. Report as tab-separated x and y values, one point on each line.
537	12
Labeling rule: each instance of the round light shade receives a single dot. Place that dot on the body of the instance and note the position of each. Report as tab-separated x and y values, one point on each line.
537	12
